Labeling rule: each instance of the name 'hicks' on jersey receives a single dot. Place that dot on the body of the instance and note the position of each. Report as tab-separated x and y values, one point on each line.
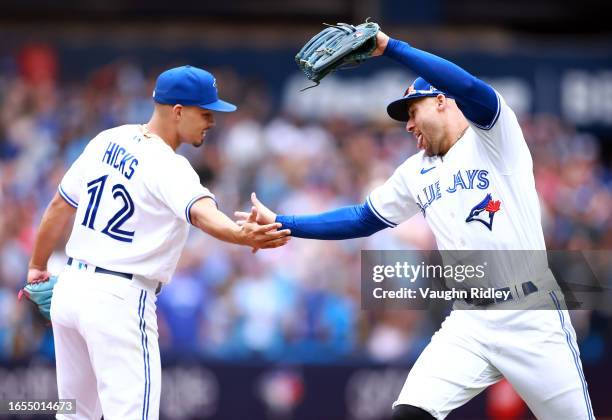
119	158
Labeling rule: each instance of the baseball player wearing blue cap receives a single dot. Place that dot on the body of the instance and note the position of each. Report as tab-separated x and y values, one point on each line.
133	199
473	182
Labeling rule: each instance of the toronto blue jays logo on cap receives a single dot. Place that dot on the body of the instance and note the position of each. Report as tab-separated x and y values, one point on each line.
490	206
420	88
409	90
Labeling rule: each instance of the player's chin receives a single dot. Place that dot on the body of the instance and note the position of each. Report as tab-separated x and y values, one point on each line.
198	141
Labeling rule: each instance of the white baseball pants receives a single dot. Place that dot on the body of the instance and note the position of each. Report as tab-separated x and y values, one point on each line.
106	346
535	350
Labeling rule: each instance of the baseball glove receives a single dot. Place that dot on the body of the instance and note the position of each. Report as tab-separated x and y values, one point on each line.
336	46
40	294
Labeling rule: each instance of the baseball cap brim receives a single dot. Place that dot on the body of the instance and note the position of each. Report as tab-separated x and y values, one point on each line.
219	105
398	110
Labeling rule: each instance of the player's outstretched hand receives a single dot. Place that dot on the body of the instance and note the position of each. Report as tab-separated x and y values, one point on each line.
382	39
265	216
262	236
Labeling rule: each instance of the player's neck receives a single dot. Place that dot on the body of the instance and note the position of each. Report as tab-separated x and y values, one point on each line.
459	132
455	134
168	135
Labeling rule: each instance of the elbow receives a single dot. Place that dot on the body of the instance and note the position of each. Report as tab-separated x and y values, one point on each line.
370	232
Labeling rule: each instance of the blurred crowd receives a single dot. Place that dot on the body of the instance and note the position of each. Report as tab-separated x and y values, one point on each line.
300	303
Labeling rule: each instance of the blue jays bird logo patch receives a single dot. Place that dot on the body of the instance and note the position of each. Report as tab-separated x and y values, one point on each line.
490	206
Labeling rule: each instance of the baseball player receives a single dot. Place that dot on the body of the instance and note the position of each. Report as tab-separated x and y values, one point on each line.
473	181
133	199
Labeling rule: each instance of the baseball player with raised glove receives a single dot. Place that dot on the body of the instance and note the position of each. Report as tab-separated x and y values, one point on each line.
472	180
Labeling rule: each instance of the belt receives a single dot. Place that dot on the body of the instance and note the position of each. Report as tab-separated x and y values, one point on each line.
527	288
101	270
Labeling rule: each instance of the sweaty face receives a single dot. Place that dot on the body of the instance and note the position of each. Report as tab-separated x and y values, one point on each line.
193	124
426	124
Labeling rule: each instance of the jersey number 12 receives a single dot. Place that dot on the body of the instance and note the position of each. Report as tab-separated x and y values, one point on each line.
113	227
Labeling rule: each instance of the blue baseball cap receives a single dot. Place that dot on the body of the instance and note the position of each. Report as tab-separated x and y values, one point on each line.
420	88
189	86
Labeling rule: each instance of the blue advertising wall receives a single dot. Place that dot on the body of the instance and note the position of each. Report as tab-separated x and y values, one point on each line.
200	390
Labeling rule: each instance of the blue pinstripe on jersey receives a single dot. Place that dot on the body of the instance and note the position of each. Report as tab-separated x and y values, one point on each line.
585	391
145	354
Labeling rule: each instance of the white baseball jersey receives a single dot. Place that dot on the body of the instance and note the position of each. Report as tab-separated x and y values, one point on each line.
479	195
133	195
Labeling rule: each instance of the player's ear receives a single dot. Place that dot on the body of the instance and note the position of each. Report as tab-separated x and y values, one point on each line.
177	111
440	101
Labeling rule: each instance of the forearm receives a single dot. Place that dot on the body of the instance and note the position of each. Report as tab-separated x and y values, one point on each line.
206	217
343	223
52	227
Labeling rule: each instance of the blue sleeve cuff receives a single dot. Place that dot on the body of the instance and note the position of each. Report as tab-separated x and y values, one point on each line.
67	197
377	213
192	202
474	118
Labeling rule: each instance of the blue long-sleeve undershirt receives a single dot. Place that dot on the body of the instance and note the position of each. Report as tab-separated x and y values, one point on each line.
476	99
344	223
